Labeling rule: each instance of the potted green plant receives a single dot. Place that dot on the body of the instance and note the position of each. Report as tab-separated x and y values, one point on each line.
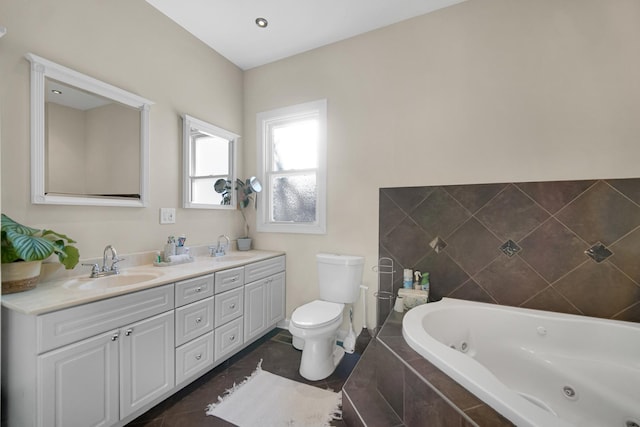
24	248
246	191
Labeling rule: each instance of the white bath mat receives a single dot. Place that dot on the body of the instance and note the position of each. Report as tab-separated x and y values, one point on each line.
265	399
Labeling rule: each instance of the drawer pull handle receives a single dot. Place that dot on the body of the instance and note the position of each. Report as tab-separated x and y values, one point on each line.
198	356
233	279
128	332
232	306
114	337
232	337
199	319
198	289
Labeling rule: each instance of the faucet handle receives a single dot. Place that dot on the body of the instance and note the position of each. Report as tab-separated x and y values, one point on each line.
114	263
95	269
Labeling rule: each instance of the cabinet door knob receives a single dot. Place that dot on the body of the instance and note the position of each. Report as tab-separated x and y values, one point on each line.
114	337
232	337
198	356
199	319
198	289
128	332
232	306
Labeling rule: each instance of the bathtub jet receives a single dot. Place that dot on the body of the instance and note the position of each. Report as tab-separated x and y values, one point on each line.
536	368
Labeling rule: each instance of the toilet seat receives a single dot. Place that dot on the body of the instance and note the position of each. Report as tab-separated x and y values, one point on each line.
316	314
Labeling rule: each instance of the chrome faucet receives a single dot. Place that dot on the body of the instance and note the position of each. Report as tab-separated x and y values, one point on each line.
97	271
222	249
113	268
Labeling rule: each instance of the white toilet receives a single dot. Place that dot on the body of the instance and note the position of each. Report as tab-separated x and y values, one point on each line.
314	325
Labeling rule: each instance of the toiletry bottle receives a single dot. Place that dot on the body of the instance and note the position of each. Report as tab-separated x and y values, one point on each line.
169	248
158	258
407	282
425	283
416	282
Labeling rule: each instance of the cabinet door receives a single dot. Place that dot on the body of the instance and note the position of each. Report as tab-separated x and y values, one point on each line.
276	299
226	280
228	338
194	320
229	306
255	309
78	383
147	357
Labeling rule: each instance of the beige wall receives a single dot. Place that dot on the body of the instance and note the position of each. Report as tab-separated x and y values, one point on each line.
130	45
484	91
65	149
113	155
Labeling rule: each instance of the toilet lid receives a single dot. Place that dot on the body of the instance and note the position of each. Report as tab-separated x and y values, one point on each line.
316	313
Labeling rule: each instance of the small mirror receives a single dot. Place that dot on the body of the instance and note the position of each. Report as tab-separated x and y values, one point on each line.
89	140
209	155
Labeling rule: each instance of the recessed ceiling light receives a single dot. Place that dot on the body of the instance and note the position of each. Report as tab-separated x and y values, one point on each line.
56	91
262	22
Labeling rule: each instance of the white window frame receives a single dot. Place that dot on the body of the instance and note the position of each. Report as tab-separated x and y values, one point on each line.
263	121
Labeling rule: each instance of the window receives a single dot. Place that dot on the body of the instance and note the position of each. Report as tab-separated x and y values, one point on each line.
292	164
209	156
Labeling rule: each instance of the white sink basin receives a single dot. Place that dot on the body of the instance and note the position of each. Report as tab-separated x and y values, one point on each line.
108	282
233	257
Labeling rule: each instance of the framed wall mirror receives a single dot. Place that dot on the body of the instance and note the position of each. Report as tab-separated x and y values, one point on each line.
209	156
89	140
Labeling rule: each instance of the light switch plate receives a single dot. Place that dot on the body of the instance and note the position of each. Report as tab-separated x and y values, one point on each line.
167	215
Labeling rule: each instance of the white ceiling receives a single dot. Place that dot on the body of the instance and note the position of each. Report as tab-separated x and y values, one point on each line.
295	26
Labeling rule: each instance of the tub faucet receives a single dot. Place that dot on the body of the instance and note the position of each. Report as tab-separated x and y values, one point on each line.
221	249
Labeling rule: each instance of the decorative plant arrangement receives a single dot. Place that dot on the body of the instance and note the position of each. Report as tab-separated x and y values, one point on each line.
24	248
246	191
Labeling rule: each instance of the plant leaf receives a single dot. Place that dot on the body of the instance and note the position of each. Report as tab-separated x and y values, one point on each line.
57	235
70	258
7	252
9	224
30	248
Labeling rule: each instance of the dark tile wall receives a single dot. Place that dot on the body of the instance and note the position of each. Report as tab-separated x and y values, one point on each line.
564	246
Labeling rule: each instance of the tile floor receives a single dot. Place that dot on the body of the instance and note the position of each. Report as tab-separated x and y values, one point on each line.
187	407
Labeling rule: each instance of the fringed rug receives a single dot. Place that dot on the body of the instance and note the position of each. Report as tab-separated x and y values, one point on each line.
265	399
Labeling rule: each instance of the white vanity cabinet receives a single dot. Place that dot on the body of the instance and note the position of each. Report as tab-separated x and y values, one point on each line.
264	296
228	335
79	384
90	365
194	327
103	363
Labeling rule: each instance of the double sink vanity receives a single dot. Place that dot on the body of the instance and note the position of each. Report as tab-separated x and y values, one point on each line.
89	352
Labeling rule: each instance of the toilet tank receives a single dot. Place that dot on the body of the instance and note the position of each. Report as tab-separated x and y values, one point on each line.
339	277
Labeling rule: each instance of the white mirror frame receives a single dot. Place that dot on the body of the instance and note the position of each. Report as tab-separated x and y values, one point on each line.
189	122
42	68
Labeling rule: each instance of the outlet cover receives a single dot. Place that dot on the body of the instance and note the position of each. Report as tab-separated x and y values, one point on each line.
167	215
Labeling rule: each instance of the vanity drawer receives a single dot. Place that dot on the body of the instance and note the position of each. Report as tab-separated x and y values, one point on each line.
228	338
193	357
229	279
194	320
195	289
76	323
229	305
261	269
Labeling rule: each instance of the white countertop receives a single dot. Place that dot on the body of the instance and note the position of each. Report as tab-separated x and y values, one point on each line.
58	294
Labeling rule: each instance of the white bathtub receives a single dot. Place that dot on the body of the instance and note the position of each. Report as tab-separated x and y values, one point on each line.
536	368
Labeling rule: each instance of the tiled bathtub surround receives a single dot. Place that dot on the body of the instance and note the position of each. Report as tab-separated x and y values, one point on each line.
393	386
564	246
